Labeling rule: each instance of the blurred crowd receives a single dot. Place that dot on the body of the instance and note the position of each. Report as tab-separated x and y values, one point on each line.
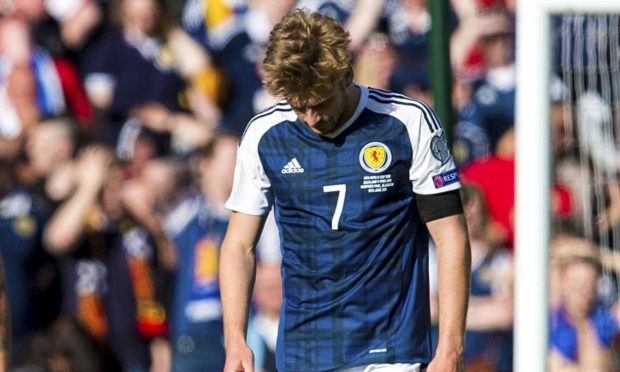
119	122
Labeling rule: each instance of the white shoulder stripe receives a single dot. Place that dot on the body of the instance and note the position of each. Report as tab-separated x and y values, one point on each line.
423	105
262	122
431	119
282	105
403	99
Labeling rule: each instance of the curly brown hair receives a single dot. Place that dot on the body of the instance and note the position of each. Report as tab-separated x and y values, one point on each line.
307	55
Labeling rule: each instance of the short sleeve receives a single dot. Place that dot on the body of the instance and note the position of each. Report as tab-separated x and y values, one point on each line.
432	167
606	325
251	191
563	337
268	246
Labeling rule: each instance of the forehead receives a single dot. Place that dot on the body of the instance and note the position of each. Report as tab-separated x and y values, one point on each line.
316	98
581	268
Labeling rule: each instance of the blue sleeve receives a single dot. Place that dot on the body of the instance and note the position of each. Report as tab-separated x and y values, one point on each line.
606	325
563	336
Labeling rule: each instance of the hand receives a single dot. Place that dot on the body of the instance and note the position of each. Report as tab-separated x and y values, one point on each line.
446	362
161	355
138	199
239	359
92	167
154	116
204	108
61	182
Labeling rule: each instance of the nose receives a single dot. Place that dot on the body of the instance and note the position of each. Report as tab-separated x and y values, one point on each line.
311	117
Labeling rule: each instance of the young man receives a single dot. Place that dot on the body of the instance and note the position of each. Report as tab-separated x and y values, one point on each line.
358	177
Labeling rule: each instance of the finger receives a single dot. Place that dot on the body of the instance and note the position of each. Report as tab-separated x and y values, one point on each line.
249	366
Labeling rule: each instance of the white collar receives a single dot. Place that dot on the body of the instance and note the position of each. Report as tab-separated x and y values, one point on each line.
358	110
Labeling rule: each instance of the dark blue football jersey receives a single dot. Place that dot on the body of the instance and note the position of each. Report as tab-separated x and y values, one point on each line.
354	251
494	104
198	232
22	217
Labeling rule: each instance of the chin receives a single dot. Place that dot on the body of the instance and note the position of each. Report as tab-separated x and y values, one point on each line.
326	129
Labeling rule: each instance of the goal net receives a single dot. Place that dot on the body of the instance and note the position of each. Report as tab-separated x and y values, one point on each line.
568	62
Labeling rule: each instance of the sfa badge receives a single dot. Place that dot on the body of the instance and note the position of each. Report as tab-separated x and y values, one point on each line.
375	157
446	178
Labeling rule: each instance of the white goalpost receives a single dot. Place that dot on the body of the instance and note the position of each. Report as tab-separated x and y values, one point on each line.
533	172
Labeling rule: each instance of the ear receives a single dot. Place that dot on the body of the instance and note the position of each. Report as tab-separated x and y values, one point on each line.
347	80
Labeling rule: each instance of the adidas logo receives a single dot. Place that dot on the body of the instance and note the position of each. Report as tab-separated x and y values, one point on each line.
292	166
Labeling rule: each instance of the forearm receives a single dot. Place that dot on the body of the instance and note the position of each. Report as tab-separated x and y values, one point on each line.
237	273
363	21
161	355
558	363
453	290
75	30
68	223
592	355
454	265
486	314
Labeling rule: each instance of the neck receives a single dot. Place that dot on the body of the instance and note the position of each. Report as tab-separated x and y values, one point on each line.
352	98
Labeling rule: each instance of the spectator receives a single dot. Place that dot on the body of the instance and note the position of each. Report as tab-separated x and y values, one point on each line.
57	25
109	268
201	16
196	223
197	313
19	109
161	188
50	148
409	30
77	21
133	65
22	217
375	62
491	113
582	327
49	173
489	317
237	46
58	87
161	196
495	176
18	90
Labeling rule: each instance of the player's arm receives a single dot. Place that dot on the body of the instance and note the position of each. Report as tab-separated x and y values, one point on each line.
446	224
237	272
